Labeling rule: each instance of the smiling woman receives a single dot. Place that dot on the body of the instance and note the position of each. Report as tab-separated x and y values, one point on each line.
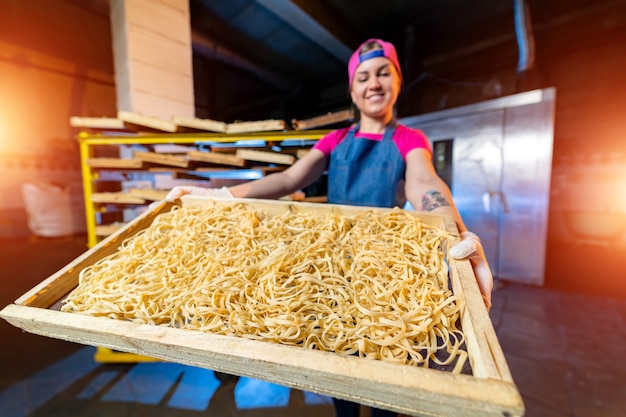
375	79
377	162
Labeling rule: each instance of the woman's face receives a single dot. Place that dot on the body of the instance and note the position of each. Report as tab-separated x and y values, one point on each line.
375	87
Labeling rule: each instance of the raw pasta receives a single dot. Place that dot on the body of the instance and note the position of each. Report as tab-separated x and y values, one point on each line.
374	284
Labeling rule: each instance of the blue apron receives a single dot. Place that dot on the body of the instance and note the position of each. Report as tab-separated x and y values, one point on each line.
365	172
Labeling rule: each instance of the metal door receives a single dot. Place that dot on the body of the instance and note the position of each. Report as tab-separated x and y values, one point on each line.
527	152
476	172
500	175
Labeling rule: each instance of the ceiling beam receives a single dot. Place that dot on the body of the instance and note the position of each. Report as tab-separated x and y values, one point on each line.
306	19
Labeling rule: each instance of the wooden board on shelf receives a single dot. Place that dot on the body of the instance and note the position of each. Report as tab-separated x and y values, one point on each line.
115	163
163	159
199	124
217	158
116	198
103	123
488	392
148	194
265	156
139	122
324	120
257	126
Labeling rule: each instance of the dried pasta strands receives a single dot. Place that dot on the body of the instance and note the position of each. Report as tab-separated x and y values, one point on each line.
374	284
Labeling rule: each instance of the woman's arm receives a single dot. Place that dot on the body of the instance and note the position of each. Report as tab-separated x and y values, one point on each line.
301	174
297	176
425	190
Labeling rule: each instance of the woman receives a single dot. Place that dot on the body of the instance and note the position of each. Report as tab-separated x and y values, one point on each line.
375	163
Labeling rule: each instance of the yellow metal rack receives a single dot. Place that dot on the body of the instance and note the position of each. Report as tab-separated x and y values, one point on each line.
88	141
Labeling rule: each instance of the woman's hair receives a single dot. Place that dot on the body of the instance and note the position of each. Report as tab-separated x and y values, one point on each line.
369	46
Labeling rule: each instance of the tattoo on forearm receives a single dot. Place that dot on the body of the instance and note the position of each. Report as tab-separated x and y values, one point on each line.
433	199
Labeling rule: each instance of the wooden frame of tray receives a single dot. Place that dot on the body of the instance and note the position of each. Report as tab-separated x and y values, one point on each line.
488	391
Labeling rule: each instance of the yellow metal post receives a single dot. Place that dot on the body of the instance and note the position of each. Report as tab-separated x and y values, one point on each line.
90	214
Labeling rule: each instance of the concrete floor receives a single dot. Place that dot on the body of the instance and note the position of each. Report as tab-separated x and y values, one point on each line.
566	353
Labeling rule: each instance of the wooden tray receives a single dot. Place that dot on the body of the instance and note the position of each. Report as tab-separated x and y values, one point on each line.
488	391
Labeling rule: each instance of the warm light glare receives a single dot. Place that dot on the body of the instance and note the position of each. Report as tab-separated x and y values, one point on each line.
622	194
1	131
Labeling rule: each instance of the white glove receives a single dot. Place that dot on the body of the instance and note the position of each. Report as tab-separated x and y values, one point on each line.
181	190
470	248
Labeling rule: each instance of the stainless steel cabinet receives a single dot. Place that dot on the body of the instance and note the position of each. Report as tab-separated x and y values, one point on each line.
500	166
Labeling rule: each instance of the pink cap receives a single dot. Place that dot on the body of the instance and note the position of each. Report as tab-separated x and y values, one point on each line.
388	51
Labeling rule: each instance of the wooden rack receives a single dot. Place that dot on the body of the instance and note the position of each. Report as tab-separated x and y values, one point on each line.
205	155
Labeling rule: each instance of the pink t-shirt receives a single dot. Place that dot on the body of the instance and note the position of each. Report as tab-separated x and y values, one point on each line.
405	138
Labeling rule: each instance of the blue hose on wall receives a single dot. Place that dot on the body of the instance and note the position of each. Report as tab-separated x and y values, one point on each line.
524	34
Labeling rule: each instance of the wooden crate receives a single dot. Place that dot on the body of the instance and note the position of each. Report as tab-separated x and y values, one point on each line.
488	391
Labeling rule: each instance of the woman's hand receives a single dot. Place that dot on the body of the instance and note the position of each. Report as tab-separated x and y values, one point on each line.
181	190
471	248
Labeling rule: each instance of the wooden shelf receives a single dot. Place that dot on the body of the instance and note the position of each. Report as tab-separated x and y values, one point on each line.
231	152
